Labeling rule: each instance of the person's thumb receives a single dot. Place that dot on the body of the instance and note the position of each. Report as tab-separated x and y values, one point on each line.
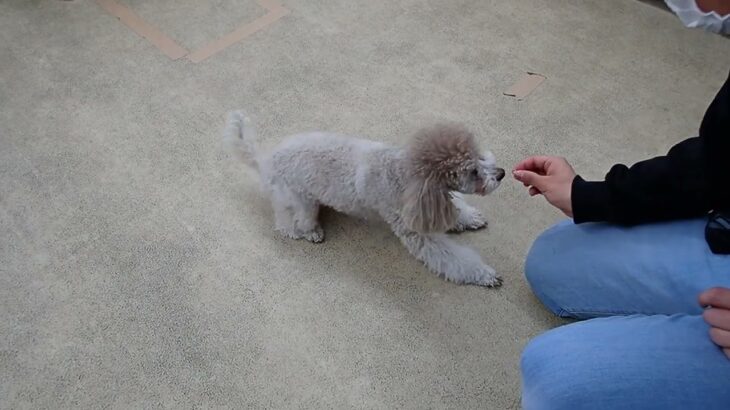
530	178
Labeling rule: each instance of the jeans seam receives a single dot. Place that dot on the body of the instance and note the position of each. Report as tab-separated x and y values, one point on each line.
608	312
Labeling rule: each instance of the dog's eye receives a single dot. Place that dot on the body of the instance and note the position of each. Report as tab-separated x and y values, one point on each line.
474	173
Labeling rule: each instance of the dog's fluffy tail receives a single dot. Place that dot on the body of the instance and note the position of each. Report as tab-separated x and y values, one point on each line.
240	136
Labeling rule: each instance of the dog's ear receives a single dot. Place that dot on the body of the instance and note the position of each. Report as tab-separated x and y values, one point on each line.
434	154
427	206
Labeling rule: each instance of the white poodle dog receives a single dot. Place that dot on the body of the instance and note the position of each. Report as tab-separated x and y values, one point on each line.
415	189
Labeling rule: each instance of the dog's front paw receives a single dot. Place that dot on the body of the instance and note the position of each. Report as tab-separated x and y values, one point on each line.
469	219
477	221
486	276
470	222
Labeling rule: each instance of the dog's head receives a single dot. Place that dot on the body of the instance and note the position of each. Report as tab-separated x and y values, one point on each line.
442	159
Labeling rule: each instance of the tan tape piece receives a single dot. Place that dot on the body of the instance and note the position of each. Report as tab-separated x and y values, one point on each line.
164	43
239	34
525	86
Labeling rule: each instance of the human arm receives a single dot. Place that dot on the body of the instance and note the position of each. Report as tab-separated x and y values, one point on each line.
687	182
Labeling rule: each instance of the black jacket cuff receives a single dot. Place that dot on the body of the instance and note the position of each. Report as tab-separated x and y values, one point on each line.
590	201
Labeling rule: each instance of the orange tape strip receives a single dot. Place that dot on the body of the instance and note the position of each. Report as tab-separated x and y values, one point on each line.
167	45
237	35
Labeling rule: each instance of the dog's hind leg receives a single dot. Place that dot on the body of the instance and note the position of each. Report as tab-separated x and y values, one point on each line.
306	213
284	222
295	216
469	218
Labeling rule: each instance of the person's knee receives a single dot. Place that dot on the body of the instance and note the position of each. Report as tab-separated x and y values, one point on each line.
550	378
539	252
545	264
614	363
540	375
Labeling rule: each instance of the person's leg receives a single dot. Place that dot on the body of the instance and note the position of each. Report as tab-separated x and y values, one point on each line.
629	362
593	270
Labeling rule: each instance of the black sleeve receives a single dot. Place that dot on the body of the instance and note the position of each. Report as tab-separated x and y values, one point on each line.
669	187
715	132
691	180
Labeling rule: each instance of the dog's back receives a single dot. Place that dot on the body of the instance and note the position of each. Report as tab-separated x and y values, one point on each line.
325	167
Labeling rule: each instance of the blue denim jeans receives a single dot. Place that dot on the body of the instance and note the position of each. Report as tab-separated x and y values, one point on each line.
646	345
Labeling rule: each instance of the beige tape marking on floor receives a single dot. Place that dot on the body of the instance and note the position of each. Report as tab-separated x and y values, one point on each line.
237	35
164	43
269	4
525	85
173	50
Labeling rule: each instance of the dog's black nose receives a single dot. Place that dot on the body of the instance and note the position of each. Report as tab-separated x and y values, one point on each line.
500	174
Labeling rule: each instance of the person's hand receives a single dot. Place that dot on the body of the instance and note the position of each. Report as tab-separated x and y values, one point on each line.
717	315
550	176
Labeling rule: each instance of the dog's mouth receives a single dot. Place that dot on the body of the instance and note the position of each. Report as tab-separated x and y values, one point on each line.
487	187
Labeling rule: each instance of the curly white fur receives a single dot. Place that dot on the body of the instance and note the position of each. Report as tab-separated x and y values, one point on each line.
415	189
